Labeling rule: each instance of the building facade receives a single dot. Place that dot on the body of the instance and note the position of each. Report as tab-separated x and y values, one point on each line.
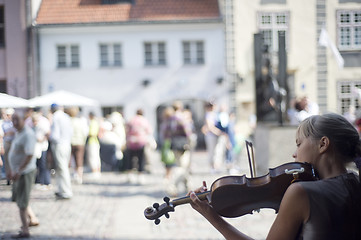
14	69
133	54
314	70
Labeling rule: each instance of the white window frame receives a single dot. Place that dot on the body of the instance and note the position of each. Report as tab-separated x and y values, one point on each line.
353	26
193	52
346	95
70	57
270	22
155	53
110	54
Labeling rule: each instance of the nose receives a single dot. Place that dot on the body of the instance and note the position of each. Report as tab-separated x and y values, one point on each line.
294	155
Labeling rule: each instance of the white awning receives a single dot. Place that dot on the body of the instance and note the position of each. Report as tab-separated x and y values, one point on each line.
62	98
9	101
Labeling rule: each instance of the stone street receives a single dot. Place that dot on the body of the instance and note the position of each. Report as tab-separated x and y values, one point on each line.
113	208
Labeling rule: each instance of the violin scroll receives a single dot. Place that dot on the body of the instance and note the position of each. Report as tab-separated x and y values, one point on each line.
156	211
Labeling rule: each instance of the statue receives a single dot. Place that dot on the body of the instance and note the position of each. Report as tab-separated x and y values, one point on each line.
270	97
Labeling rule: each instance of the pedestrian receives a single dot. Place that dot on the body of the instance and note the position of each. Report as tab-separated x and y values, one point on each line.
188	115
93	147
167	154
41	127
78	140
177	130
223	149
325	209
112	141
138	132
23	170
211	134
60	137
9	134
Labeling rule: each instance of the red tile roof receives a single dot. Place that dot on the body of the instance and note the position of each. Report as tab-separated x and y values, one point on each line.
92	11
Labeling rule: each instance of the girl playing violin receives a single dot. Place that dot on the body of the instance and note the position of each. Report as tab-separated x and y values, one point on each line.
329	208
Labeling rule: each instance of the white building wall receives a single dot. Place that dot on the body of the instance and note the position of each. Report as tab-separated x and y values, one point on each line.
335	73
123	86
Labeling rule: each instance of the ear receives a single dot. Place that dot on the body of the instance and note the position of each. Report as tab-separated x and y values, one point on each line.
324	144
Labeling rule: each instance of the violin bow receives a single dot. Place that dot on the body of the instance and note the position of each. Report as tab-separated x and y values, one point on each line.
252	166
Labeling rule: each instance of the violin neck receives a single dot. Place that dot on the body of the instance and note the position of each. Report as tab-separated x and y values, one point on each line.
187	199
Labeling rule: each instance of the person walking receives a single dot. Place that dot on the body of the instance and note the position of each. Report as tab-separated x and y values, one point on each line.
93	146
60	137
9	134
177	131
78	140
22	164
41	127
138	132
211	134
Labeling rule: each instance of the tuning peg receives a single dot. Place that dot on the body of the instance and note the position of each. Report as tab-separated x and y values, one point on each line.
157	221
166	215
156	206
166	199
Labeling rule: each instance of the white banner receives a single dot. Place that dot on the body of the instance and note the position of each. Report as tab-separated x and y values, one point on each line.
326	41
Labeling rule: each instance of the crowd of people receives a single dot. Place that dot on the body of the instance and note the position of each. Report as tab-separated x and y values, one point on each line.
178	139
39	148
68	144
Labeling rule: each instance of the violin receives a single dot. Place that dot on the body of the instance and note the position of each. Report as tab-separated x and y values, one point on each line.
234	196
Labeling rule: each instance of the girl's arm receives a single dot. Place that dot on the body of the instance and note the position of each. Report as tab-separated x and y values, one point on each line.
293	212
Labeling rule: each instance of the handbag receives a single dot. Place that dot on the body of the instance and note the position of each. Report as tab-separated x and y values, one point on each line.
167	155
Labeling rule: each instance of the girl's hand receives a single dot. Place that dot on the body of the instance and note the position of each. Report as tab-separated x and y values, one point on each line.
203	207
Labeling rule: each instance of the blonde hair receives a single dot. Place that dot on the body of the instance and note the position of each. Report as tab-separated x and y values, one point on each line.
342	135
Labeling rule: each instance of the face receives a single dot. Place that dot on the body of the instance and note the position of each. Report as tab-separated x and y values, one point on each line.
306	150
18	122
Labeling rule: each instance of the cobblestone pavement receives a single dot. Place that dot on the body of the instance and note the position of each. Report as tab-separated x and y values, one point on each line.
113	208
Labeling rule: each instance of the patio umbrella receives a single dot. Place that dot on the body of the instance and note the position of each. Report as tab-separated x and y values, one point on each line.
63	98
9	101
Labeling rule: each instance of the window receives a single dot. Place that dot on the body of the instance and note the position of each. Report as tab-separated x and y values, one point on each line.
348	96
193	52
68	56
349	29
270	24
110	55
2	27
154	53
3	86
107	110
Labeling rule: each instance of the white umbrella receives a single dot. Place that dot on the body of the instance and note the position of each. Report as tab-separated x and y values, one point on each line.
62	98
9	101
